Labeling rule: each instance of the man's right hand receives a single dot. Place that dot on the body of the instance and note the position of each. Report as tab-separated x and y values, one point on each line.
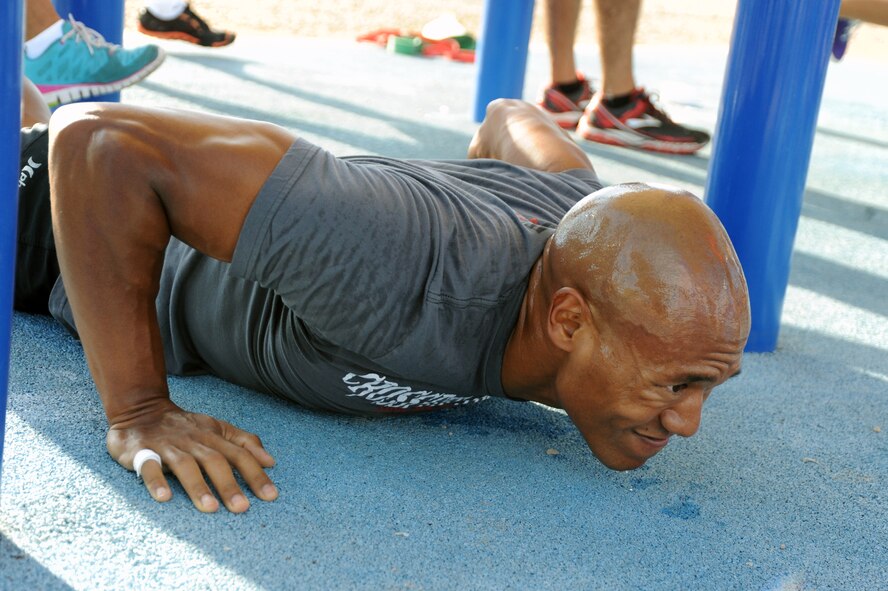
520	133
191	446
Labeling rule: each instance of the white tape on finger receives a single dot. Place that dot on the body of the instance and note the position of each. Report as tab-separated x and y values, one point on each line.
142	456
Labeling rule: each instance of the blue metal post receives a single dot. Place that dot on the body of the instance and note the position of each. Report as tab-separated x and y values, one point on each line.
10	124
502	51
763	139
105	16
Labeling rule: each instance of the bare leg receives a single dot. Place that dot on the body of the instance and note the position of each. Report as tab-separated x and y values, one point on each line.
561	31
519	133
124	179
871	11
617	21
39	15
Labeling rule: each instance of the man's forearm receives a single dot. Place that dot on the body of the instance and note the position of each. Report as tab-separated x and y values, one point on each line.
111	234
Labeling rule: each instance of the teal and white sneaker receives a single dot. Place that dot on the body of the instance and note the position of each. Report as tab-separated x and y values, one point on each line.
82	64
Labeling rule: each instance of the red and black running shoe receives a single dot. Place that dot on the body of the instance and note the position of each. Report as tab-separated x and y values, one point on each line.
566	110
638	124
188	26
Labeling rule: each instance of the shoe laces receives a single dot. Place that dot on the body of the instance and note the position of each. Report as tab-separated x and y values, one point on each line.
196	22
652	99
92	38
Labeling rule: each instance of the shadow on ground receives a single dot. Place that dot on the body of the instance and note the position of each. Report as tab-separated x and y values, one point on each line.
425	138
21	571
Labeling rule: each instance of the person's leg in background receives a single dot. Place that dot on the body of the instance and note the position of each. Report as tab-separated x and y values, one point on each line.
568	93
69	61
40	15
616	25
870	11
175	19
619	113
851	14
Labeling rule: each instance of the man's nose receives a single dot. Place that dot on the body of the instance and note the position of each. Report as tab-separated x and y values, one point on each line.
684	418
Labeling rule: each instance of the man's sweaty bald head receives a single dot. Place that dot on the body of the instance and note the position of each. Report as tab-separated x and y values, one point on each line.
654	257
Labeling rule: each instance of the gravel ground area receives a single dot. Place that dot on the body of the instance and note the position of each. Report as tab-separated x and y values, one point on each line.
662	21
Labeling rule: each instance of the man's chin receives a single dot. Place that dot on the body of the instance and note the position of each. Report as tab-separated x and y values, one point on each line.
624	464
621	462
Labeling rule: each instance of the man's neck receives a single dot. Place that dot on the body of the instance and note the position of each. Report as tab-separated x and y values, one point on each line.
530	362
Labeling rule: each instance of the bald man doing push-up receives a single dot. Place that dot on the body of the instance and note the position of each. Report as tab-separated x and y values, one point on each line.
372	285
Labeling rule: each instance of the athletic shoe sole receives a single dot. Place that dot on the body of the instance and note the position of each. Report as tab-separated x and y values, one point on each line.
565	119
180	36
628	139
68	93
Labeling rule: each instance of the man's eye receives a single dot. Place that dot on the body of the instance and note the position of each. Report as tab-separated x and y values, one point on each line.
677	388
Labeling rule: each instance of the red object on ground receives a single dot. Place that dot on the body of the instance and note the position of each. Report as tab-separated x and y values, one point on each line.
380	36
450	49
447	48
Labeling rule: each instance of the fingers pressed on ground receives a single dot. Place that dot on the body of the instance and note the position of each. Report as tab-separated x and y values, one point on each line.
187	470
252	444
155	482
218	469
251	470
248	441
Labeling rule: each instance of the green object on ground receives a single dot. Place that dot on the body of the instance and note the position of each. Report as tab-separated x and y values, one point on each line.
404	45
466	41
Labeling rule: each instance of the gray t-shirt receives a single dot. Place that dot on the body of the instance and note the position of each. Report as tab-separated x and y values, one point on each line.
367	284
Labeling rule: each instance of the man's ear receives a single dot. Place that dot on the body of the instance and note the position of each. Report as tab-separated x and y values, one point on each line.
567	314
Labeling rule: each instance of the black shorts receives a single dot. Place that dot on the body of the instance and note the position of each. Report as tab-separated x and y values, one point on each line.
36	265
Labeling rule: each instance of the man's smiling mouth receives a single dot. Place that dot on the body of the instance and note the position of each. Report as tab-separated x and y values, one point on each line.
656	443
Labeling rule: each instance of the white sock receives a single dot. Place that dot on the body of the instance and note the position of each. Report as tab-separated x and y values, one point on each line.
35	47
166	10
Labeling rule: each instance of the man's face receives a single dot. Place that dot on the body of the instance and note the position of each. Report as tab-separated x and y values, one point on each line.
629	392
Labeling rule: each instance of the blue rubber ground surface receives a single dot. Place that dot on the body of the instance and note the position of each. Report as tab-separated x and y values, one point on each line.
784	488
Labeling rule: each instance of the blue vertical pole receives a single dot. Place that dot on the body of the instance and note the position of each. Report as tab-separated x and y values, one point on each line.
502	51
763	139
105	16
10	124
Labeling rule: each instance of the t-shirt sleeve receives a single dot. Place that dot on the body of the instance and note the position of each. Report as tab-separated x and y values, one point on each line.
342	244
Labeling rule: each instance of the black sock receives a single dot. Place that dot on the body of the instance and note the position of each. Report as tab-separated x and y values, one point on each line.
572	90
617	102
